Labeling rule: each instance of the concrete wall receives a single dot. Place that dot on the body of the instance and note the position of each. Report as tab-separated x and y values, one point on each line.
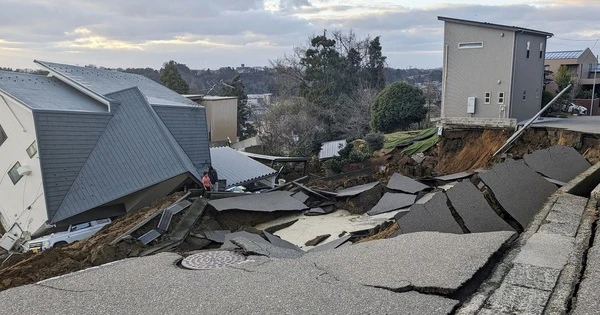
528	76
472	72
221	116
23	202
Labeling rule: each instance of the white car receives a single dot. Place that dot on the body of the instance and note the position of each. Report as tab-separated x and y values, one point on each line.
581	110
74	233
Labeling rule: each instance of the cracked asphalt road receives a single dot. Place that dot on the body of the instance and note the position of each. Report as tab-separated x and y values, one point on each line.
358	279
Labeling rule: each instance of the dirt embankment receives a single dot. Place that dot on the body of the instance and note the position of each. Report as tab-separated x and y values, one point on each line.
83	254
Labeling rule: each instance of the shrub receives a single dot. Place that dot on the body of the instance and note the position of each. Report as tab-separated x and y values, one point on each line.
375	141
345	151
335	165
356	156
397	107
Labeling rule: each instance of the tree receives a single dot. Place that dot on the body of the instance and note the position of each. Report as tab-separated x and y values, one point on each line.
375	69
235	87
563	78
397	107
170	77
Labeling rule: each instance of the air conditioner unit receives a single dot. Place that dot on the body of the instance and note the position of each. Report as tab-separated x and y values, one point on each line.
471	105
24	170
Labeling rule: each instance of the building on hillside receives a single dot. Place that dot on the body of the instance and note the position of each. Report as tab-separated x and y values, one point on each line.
492	73
221	116
581	63
83	144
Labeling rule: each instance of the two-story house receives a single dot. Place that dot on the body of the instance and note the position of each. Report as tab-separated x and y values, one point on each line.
581	63
82	144
491	72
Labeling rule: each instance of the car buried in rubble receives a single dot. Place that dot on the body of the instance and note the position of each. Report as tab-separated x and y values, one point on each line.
75	232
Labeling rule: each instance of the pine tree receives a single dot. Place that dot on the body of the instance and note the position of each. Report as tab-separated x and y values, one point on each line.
170	77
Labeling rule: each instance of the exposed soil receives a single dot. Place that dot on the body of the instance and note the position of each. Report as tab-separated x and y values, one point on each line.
83	254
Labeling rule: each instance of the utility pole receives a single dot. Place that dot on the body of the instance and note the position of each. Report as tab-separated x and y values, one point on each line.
594	87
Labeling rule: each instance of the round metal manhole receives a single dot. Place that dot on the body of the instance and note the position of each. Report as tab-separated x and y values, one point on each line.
212	260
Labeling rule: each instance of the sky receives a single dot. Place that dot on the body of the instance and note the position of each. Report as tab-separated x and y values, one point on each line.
217	33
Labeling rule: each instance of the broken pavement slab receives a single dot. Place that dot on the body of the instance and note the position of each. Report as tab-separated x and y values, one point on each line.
558	162
440	262
227	244
356	190
454	177
280	286
476	213
406	184
217	235
392	201
331	245
275	240
265	202
519	190
433	215
252	247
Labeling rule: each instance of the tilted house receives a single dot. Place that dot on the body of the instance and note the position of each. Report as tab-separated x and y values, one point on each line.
84	143
492	73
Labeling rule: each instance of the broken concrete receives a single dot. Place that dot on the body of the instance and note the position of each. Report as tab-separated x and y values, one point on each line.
251	247
331	245
416	260
356	190
431	216
558	162
217	236
301	196
280	243
277	286
227	244
406	184
317	240
520	191
265	202
454	177
476	213
392	201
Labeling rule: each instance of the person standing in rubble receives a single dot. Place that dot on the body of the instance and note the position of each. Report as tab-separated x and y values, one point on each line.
214	178
206	181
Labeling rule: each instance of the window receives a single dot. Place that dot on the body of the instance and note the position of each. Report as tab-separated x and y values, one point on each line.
524	95
528	46
546	68
537	93
470	45
541	50
14	174
3	136
488	96
501	98
32	150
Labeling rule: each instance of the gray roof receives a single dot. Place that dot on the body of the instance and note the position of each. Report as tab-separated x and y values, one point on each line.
237	168
46	93
568	54
331	148
104	82
134	151
497	26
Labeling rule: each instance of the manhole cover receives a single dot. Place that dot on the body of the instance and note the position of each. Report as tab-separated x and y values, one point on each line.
212	260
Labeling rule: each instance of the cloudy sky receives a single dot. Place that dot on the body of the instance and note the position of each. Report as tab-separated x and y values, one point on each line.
216	33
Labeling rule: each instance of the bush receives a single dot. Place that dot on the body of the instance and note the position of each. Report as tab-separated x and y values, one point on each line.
546	98
335	165
375	141
397	107
356	156
345	151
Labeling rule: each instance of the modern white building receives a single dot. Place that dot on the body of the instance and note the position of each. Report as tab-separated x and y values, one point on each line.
83	144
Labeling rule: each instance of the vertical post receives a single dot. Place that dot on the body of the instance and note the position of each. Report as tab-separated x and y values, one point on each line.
594	87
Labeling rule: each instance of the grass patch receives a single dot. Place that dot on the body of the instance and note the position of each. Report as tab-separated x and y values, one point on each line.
396	138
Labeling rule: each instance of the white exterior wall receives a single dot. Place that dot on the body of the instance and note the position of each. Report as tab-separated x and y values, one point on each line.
22	203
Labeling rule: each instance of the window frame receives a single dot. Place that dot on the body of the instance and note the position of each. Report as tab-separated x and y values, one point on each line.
528	48
487	98
3	136
15	169
470	45
34	146
524	95
501	98
541	50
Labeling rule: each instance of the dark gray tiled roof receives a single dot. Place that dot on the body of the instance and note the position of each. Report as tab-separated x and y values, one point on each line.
237	168
109	81
45	93
135	151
